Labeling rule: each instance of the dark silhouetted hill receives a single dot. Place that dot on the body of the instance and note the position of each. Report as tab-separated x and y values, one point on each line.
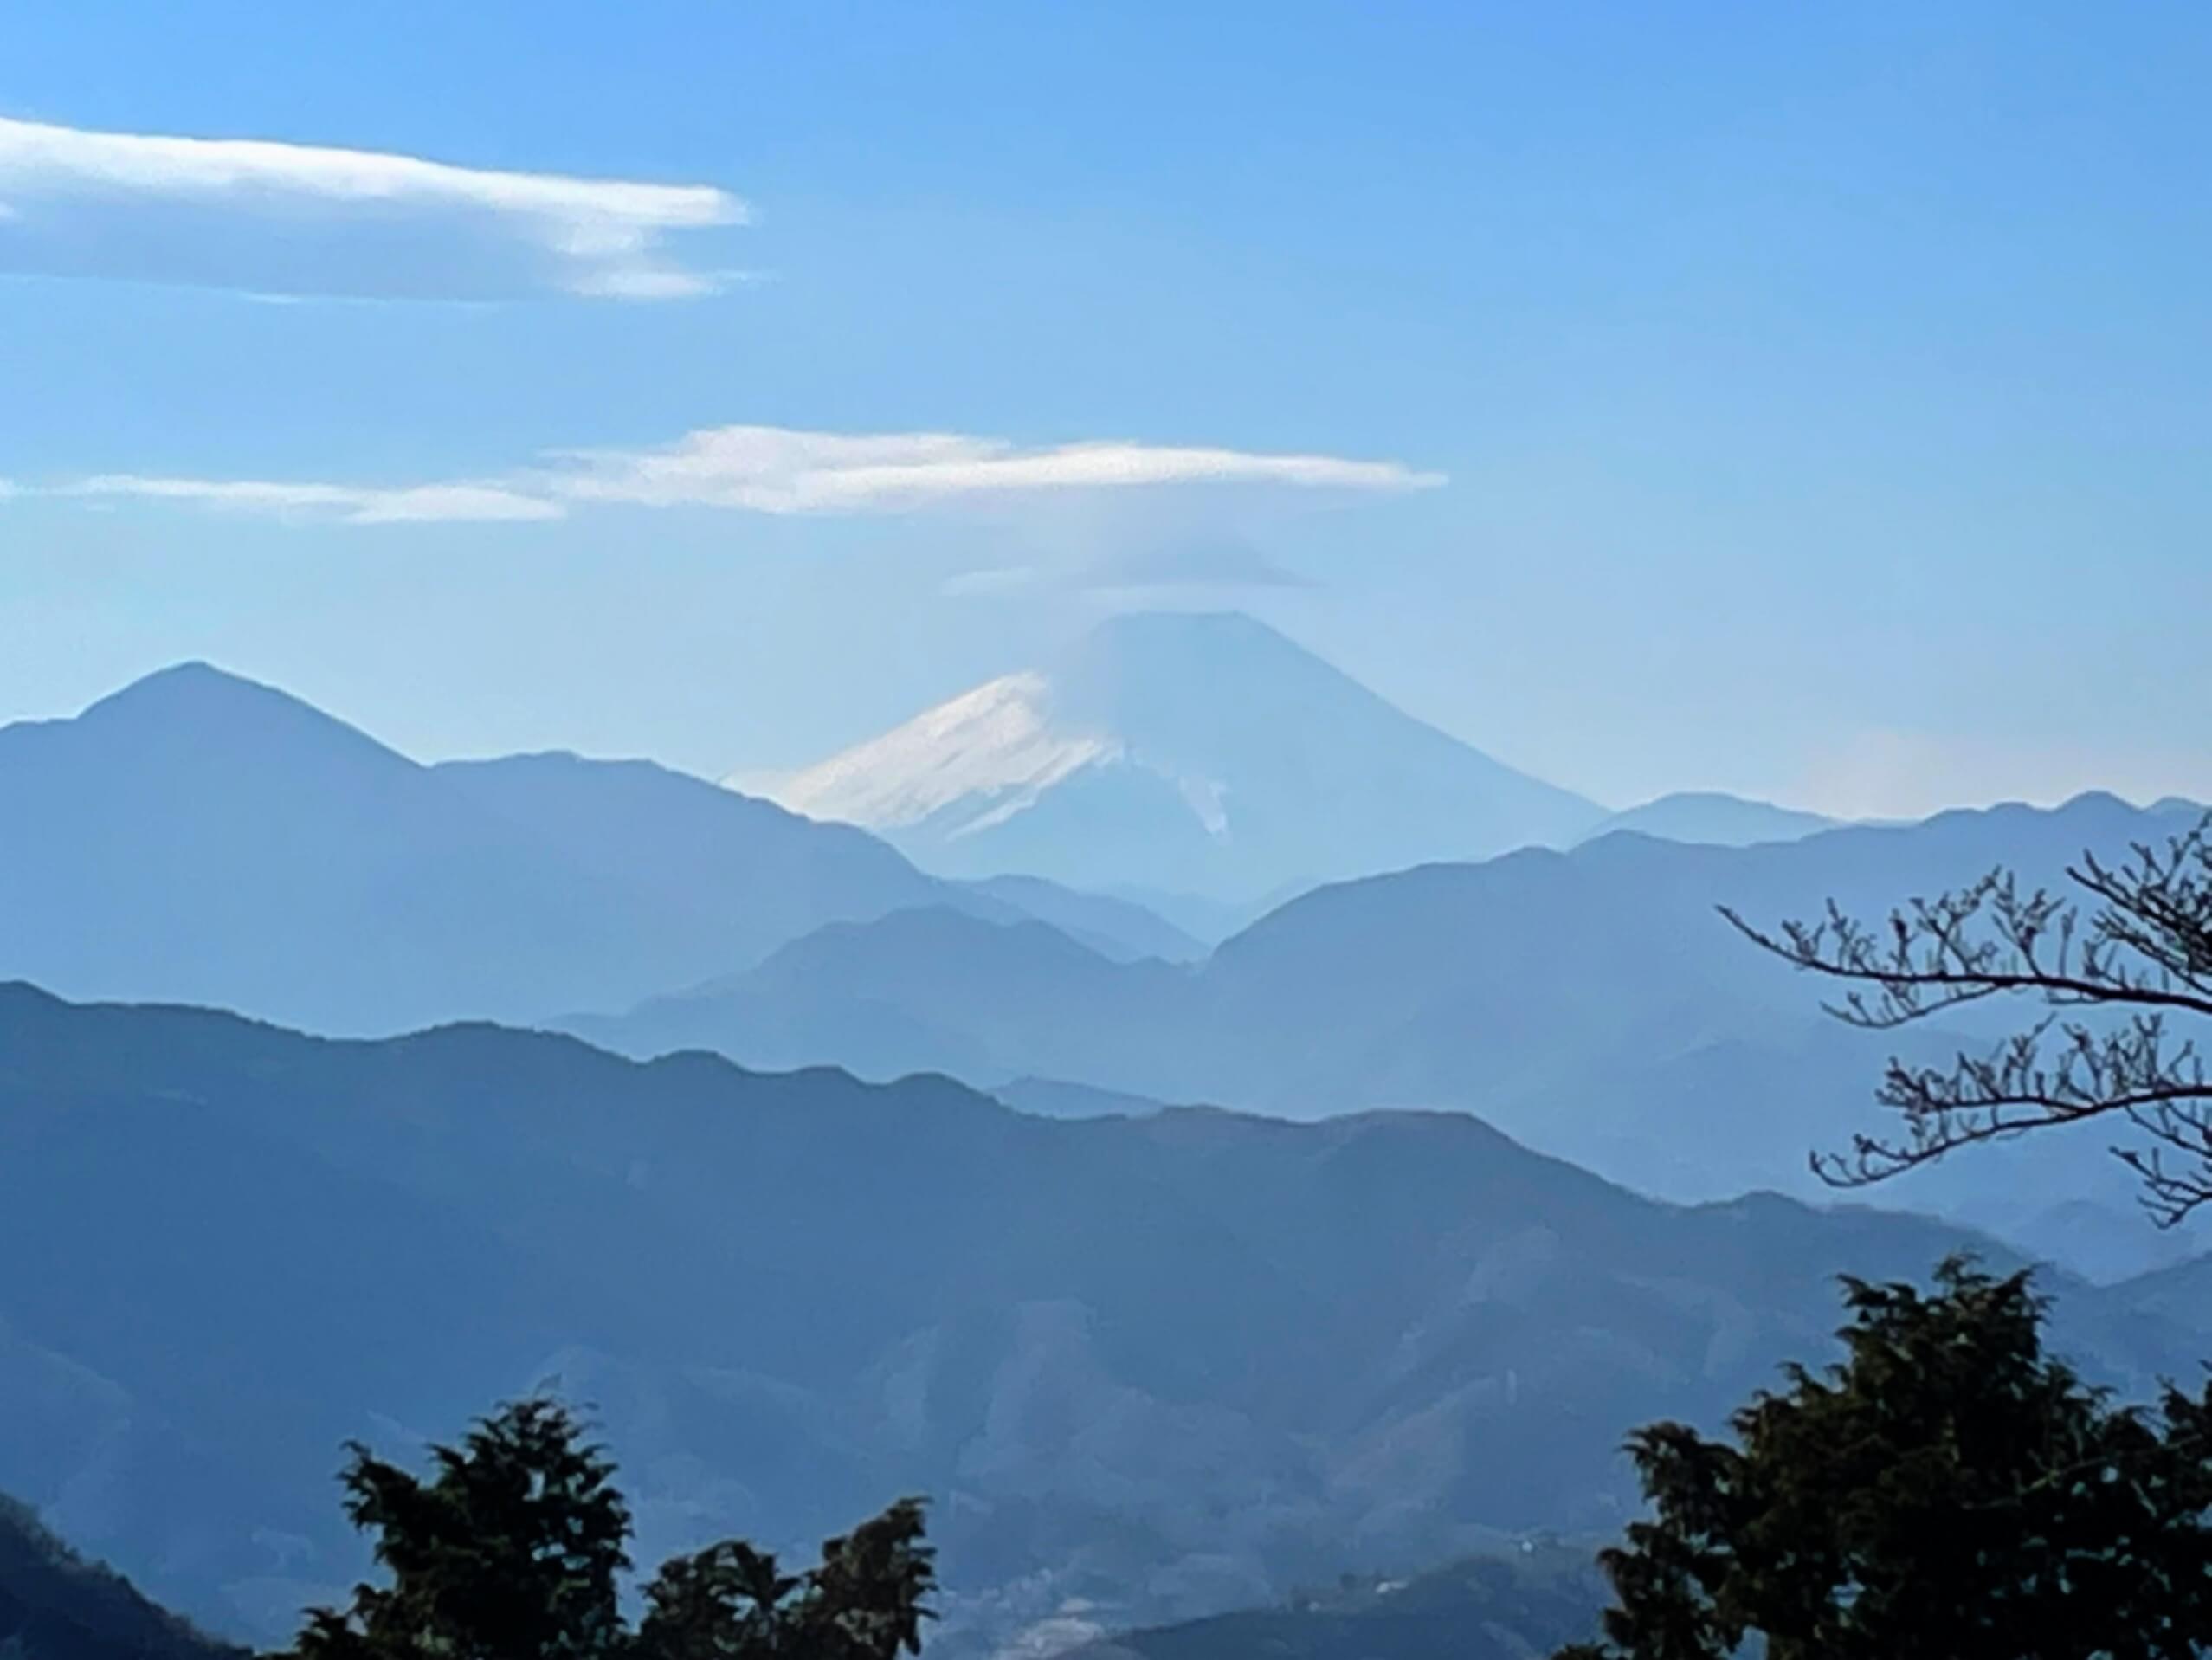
1169	1364
56	1606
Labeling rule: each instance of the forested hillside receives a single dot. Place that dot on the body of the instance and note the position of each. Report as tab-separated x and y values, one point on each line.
56	1606
1170	1364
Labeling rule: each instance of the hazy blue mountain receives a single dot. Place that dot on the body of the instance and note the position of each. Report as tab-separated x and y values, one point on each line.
1523	1601
200	838
1122	929
1172	1364
1591	1002
1187	753
1708	816
931	989
1055	1098
748	875
1209	920
54	1606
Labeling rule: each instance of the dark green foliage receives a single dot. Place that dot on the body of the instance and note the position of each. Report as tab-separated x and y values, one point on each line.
731	1602
515	1546
1947	1491
54	1606
728	1601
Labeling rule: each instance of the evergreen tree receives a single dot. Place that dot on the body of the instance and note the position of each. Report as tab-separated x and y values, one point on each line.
731	1602
514	1550
1948	1492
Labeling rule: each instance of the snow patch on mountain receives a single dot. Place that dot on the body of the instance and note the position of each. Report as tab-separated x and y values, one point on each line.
1182	752
992	751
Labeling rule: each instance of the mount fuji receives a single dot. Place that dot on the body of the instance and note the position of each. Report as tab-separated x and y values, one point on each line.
1183	752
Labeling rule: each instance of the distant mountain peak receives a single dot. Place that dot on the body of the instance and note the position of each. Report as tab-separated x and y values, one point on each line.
1195	750
194	714
997	744
1204	644
195	678
199	836
1215	628
197	692
1715	818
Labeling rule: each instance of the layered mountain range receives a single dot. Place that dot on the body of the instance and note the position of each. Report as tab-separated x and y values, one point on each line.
1383	1294
1164	1365
1592	1003
200	838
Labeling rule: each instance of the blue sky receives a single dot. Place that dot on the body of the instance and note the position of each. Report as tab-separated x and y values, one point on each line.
1809	402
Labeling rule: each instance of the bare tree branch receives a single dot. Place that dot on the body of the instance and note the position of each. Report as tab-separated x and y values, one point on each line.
2134	956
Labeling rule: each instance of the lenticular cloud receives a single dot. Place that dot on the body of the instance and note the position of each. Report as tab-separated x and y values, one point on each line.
307	220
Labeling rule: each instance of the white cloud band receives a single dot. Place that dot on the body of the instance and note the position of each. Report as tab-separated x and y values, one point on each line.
346	504
772	470
775	470
310	220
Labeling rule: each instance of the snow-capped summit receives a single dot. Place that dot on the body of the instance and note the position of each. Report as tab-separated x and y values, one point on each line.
1201	753
995	744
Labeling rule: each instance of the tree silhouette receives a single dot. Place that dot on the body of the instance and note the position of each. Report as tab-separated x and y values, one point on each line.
1947	1492
2123	970
731	1602
515	1546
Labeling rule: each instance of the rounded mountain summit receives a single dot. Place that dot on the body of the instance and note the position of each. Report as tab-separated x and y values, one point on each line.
1181	753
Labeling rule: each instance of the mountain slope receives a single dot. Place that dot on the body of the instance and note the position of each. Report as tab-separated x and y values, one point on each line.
1173	1364
1199	754
929	990
1707	816
1523	1603
200	838
54	1606
743	874
1590	1002
1119	929
196	835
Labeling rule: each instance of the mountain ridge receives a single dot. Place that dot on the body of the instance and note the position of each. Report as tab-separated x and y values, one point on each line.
56	1606
203	837
1712	815
1174	1364
1194	751
1591	1001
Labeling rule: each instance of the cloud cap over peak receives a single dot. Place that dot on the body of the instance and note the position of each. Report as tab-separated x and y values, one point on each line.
781	470
305	220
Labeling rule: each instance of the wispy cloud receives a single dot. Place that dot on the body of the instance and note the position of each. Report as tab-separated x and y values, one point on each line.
347	504
770	470
777	470
293	219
